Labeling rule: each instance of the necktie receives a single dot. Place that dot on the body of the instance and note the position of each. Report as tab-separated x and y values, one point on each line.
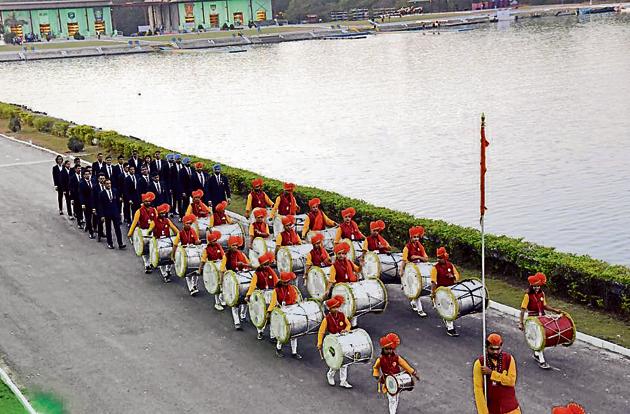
157	185
133	178
158	165
109	171
201	179
109	193
90	184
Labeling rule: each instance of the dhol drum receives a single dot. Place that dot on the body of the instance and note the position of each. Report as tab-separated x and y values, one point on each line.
462	298
361	297
292	321
292	258
187	259
416	279
347	348
201	226
227	230
258	303
316	281
259	247
329	237
141	240
378	265
212	276
160	251
279	228
402	381
549	330
355	249
235	286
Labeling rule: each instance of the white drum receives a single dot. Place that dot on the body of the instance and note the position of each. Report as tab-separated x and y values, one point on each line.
212	276
258	303
227	230
329	237
402	381
347	348
279	228
201	226
235	286
355	249
317	281
259	247
460	299
187	259
416	278
141	239
377	265
292	321
292	258
361	297
160	251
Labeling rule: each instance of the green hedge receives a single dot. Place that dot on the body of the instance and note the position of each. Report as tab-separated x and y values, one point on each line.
580	279
43	124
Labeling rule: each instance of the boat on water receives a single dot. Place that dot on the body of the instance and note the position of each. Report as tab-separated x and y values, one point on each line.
595	10
346	35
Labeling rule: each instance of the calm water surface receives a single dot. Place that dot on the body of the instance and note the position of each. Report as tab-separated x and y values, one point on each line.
393	119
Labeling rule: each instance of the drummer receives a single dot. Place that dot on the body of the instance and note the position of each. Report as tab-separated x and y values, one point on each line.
288	237
499	368
259	227
161	227
316	219
375	242
236	261
389	363
343	270
142	219
285	204
213	252
187	236
264	278
445	274
348	228
335	322
571	408
257	198
284	294
535	304
219	217
414	252
198	208
318	256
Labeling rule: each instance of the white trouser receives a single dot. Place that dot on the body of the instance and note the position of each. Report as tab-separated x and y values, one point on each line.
235	313
449	324
165	270
353	322
540	356
343	373
416	304
218	298
293	345
191	281
393	403
145	260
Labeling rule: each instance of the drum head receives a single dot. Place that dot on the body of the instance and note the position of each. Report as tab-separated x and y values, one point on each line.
259	246
230	288
534	333
333	351
211	278
446	304
154	252
349	306
284	260
258	308
280	326
316	282
138	241
181	261
392	384
411	281
371	266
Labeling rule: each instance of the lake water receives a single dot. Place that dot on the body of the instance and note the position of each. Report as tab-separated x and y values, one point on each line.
393	119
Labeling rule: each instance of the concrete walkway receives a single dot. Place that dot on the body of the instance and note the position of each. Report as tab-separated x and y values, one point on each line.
87	324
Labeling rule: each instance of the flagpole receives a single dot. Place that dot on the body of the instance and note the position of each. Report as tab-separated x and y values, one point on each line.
482	210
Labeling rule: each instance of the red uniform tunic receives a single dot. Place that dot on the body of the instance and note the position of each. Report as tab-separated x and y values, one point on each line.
287	295
161	227
290	238
288	205
258	199
260	228
219	218
316	220
415	249
319	257
266	278
343	271
200	210
390	364
376	243
335	322
350	231
501	399
536	304
232	259
146	215
214	251
445	274
188	236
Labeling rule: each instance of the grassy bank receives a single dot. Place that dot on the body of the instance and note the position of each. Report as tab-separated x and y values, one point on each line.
226	33
62	45
8	403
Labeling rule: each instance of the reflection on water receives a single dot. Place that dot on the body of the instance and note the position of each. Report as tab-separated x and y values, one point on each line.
393	119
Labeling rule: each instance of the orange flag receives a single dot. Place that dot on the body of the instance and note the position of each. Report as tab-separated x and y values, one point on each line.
484	144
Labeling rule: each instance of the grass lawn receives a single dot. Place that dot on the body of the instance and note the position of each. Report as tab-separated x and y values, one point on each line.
61	45
225	33
8	403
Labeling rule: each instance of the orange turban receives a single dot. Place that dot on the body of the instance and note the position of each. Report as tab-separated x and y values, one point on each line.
416	231
163	208
235	241
539	279
214	236
348	212
257	182
391	340
314	202
335	302
287	276
199	165
342	248
221	206
377	225
148	197
441	253
189	219
197	193
266	258
317	238
572	408
260	212
288	186
286	220
495	339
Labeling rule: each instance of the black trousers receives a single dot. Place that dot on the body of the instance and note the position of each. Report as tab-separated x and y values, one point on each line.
60	195
133	207
185	202
89	220
115	221
98	224
76	209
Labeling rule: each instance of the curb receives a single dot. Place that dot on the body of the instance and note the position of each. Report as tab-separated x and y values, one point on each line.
7	380
504	309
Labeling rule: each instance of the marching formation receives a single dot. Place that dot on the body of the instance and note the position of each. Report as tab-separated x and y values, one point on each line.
263	265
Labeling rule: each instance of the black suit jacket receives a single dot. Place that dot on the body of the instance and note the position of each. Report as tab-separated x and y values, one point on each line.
64	177
132	193
73	185
143	184
55	173
117	181
163	170
135	163
96	192
160	197
218	190
96	169
107	174
106	207
185	181
86	194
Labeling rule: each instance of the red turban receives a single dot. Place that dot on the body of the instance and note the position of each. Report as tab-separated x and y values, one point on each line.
342	248
348	212
189	219
148	196
314	202
266	258
539	279
391	340
235	241
221	206
288	186
286	276
335	302
199	165
317	238
286	220
441	253
377	225
260	212
495	339
197	193
214	236
416	231
257	182
163	208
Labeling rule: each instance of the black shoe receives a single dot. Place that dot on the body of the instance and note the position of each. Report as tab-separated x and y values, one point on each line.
80	226
452	332
260	336
91	236
122	246
61	213
279	353
296	356
71	218
166	279
110	246
147	269
98	239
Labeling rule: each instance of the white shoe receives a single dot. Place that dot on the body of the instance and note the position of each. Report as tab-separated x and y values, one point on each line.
331	378
218	307
345	384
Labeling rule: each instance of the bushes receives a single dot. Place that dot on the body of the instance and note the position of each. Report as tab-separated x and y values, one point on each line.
60	128
43	123
75	145
26	118
6	110
83	133
14	123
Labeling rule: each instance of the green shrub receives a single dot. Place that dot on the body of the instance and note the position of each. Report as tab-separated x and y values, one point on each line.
26	118
43	123
75	145
6	110
15	125
60	128
84	133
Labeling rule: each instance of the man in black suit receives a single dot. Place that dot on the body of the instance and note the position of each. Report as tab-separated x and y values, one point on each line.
134	161
56	173
132	192
98	165
96	192
218	187
108	201
176	184
108	169
158	165
144	180
86	200
167	176
64	183
199	181
73	187
117	171
77	161
158	188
